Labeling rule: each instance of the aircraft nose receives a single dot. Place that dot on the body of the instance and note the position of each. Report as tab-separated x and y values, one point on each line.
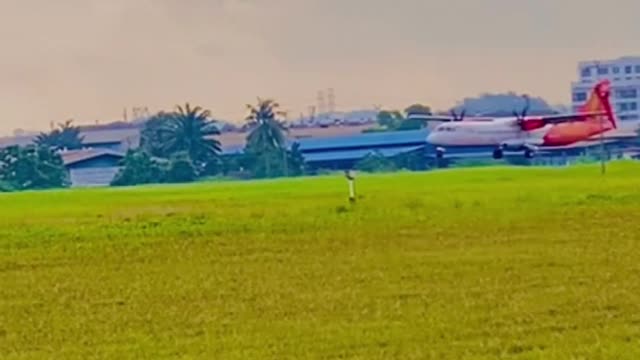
432	138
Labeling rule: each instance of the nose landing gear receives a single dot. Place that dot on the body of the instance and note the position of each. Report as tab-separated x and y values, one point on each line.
528	154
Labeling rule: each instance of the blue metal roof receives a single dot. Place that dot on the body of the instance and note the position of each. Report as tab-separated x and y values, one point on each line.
356	154
232	149
409	137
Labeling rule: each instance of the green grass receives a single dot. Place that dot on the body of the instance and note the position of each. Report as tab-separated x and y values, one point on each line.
515	263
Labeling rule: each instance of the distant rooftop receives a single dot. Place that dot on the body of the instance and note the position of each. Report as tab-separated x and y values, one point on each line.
91	137
376	139
77	156
108	136
602	61
350	155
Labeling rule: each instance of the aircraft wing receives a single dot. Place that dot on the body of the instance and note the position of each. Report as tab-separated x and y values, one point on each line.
615	135
580	144
562	118
435	118
547	119
446	118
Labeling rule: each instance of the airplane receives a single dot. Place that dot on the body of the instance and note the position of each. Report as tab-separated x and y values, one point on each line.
527	134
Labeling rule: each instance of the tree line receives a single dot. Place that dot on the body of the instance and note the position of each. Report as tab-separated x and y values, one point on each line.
176	146
39	165
182	146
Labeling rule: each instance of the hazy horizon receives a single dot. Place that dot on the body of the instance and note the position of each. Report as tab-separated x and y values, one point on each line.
89	59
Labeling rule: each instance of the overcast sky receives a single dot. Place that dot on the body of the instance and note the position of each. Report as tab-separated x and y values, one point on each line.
88	59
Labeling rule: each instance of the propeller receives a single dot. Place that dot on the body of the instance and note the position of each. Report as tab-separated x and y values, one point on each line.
457	117
523	114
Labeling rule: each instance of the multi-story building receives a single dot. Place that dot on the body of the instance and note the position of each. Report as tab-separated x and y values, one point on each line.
624	74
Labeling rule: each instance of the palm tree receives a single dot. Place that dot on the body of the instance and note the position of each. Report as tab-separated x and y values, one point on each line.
193	131
155	133
268	133
66	136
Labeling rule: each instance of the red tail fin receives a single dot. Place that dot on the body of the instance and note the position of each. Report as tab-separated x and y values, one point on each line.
599	102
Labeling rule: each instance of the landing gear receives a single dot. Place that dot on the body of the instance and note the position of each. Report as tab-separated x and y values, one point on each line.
529	151
528	154
439	160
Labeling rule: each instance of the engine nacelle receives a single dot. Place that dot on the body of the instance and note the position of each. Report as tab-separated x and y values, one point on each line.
532	124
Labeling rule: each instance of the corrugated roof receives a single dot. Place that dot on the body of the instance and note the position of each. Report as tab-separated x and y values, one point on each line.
16	140
90	137
356	154
365	140
76	156
232	149
108	136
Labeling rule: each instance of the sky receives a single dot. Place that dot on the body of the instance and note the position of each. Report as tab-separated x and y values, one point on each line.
89	59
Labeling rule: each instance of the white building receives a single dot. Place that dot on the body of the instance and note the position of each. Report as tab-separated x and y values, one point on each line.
624	74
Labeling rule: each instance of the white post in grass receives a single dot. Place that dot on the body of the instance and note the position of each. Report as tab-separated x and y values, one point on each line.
351	177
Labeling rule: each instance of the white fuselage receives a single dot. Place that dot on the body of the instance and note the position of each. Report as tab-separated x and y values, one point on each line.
482	133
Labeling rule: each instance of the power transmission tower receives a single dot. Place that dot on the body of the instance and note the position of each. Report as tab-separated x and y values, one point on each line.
322	106
312	113
331	100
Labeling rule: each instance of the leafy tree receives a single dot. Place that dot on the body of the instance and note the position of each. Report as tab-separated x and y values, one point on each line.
181	169
267	141
213	167
375	162
268	132
503	105
155	134
192	130
413	161
66	136
390	120
138	167
32	167
265	165
297	165
396	121
411	124
417	109
6	187
236	165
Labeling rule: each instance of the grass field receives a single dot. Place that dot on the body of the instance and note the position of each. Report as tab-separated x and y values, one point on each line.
463	264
